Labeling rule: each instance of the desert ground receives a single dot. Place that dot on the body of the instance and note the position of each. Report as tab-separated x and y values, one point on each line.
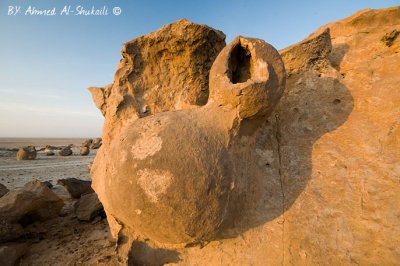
63	240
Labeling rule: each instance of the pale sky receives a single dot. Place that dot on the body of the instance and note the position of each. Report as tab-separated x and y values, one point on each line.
47	62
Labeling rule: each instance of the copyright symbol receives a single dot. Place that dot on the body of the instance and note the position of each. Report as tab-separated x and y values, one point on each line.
117	10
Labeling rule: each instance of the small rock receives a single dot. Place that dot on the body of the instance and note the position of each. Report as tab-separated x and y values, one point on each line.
76	187
84	150
10	253
88	207
26	153
3	190
66	151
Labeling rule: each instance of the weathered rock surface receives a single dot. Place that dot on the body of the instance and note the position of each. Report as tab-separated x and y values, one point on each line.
10	253
84	150
324	167
66	151
162	71
179	176
3	190
76	187
336	150
88	207
26	153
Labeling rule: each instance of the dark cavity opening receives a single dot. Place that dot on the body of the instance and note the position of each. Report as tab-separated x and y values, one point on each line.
240	64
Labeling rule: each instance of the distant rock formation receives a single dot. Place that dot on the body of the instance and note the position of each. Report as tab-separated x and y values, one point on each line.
86	143
84	150
312	181
66	151
26	153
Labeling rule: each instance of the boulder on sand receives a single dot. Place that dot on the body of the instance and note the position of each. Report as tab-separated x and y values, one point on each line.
35	199
97	142
87	142
34	202
88	207
84	150
66	151
76	187
26	153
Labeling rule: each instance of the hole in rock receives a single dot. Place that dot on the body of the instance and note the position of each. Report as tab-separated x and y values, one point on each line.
336	101
240	64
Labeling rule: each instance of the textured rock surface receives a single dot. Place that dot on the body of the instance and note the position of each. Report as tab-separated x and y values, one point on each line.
162	71
26	153
328	159
337	152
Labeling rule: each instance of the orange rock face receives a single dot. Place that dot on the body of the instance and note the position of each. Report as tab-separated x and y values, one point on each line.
324	183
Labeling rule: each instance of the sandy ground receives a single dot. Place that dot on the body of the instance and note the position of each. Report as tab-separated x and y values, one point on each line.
14	174
64	240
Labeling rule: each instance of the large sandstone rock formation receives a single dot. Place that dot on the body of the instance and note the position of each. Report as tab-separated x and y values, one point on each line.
321	171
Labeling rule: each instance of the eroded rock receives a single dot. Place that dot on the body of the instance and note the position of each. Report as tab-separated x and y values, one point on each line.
175	173
323	191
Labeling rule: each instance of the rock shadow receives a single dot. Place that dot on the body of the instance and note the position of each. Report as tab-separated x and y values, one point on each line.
313	105
337	54
142	254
